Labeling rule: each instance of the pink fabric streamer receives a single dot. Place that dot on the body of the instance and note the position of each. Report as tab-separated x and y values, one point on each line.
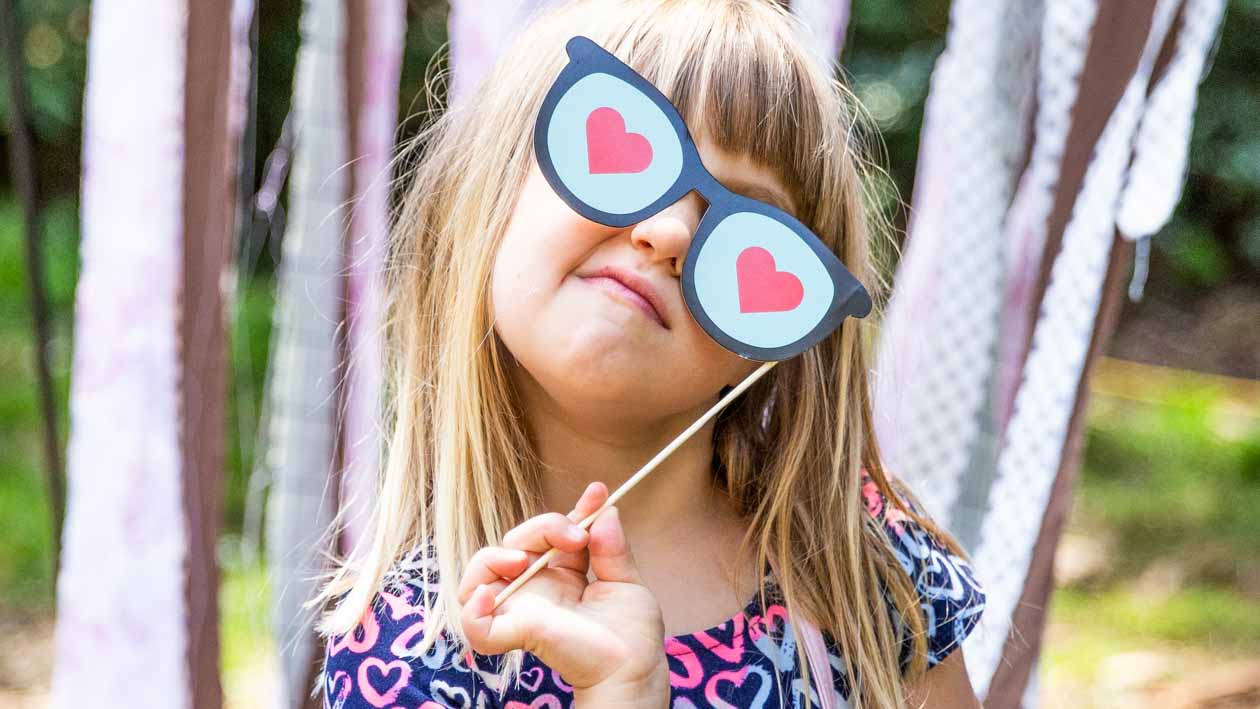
1026	238
238	84
121	620
827	22
478	29
369	224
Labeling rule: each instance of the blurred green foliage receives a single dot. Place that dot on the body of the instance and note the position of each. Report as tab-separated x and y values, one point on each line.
887	61
25	568
247	643
1178	482
1216	236
54	47
1167	496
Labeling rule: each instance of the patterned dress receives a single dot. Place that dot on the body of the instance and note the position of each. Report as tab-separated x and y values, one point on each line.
747	661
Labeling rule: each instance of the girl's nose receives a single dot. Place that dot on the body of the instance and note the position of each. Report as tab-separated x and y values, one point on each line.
666	235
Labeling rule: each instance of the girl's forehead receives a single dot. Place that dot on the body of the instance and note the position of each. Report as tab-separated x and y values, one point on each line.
739	171
758	129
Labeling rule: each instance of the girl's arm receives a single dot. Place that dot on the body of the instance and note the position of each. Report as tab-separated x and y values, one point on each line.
945	685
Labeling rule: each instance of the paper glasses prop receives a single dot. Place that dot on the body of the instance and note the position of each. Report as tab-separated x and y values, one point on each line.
616	150
756	279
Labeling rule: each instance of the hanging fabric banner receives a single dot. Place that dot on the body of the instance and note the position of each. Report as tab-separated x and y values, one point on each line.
938	348
302	398
148	386
953	370
827	22
123	464
1030	460
374	62
1171	58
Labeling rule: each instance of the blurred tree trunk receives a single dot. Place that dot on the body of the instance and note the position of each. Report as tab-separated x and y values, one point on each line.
25	178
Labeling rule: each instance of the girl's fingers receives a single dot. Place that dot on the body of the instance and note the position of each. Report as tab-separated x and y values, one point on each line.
491	564
552	529
592	497
610	550
491	634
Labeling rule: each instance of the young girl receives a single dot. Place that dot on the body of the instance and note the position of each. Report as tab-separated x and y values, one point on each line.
540	359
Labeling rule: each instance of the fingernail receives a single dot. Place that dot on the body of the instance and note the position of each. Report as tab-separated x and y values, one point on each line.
574	532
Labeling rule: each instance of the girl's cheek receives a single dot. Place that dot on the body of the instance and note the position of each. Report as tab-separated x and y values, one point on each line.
548	242
541	247
533	262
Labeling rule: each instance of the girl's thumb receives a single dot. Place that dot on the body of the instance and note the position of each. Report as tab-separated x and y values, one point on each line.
611	559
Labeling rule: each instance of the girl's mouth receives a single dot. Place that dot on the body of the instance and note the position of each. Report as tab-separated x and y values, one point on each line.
631	288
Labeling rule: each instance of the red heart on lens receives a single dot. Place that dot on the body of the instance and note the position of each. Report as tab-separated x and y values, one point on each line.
610	149
762	288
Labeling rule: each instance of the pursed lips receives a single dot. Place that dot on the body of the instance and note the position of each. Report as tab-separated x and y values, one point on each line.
631	287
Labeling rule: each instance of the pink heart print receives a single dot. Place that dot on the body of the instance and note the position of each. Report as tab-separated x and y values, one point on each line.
693	670
762	288
361	638
374	672
612	150
535	672
339	686
731	653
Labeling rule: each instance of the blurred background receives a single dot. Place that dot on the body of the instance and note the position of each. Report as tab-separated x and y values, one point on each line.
1158	574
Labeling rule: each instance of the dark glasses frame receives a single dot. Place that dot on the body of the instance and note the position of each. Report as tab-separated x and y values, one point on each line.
849	299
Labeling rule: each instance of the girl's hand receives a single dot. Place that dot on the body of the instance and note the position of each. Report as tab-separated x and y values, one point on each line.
605	637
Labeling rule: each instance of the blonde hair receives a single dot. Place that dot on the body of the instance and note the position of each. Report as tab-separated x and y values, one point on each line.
461	470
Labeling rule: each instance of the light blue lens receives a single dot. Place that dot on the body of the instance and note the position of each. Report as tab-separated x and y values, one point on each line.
760	283
613	148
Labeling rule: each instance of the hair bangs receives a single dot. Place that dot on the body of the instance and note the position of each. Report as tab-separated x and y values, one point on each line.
736	81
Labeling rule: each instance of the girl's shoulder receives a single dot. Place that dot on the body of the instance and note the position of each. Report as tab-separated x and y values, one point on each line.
379	663
951	596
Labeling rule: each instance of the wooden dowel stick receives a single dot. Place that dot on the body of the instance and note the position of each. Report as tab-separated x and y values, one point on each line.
634	479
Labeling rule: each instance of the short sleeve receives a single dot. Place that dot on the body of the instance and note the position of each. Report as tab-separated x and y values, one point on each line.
951	596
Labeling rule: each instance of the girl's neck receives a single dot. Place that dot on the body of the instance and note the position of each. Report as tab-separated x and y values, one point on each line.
683	530
580	447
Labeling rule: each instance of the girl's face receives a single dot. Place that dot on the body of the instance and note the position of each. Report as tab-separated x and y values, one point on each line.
595	314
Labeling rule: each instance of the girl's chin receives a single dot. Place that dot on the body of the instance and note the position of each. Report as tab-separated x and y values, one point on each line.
602	383
606	346
609	382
